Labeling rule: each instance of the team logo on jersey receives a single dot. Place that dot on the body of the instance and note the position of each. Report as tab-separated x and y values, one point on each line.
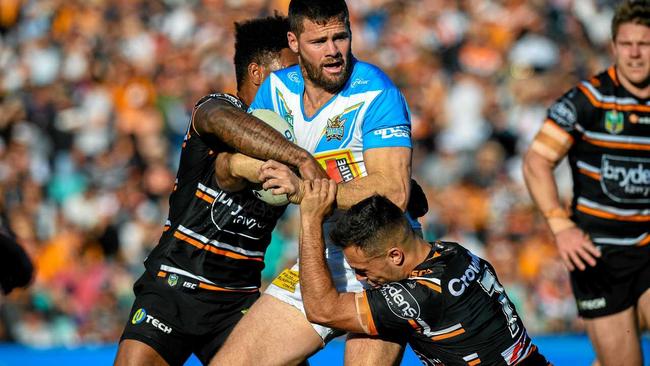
564	113
172	280
339	165
400	301
614	122
139	316
335	128
293	76
625	178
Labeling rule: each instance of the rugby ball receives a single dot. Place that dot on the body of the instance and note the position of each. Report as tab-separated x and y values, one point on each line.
279	124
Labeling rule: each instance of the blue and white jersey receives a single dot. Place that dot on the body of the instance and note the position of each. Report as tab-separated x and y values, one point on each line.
369	112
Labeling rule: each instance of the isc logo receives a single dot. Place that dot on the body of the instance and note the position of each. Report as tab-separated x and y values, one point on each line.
189	285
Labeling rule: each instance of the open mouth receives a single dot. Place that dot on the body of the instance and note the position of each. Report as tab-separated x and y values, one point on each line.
333	67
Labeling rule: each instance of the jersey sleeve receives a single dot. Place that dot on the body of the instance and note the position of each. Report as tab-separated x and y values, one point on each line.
568	111
263	98
396	307
387	122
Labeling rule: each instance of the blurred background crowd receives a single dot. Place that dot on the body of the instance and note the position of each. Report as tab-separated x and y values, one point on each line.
95	97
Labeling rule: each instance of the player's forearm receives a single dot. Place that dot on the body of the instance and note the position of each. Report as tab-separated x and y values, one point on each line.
247	134
234	171
395	188
538	174
318	291
324	305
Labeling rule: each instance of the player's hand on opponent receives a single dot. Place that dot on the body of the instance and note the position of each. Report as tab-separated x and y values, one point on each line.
311	169
318	200
576	249
280	179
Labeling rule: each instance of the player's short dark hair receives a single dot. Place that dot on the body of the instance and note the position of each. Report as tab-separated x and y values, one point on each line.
368	223
259	40
631	11
317	11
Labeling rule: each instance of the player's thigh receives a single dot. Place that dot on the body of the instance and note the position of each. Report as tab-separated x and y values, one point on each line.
271	333
615	338
361	350
643	311
134	353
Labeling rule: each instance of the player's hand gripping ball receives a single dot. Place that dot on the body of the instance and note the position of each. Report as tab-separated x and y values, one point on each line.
279	124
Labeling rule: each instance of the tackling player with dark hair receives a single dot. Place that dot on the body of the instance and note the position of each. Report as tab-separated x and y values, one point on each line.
439	297
205	271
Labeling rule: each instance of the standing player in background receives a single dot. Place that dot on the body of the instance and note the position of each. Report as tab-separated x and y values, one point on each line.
439	297
603	125
356	123
205	271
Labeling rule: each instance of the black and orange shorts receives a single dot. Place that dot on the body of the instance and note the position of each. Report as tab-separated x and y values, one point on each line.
177	323
620	277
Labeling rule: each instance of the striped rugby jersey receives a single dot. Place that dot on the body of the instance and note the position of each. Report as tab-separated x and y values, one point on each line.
452	310
609	158
369	112
213	240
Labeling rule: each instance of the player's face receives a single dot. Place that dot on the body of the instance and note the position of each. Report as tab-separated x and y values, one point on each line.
376	271
286	58
325	53
632	53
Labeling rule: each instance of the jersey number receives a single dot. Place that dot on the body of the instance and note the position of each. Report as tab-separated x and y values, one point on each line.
491	285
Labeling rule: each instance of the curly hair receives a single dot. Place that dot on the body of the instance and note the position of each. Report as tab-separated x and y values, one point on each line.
259	40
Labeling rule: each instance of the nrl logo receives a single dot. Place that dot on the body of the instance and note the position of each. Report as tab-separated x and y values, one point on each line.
335	128
172	280
614	122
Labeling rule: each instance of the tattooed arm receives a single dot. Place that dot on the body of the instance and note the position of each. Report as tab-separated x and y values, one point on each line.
250	136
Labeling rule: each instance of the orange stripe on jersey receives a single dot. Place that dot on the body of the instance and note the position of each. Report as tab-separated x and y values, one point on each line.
162	274
616	145
611	216
612	74
617	107
217	288
448	335
414	324
430	285
365	313
212	249
551	128
474	362
590	174
644	242
166	228
204	197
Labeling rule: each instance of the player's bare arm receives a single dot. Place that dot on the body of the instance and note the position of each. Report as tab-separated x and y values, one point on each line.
547	150
389	175
323	304
389	172
252	137
234	171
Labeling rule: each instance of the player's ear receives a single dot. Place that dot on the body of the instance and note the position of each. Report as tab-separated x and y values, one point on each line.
293	41
256	73
396	256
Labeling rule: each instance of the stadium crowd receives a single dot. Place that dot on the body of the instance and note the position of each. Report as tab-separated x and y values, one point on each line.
95	97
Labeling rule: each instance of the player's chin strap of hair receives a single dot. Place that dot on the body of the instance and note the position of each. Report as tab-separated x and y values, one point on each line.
558	219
